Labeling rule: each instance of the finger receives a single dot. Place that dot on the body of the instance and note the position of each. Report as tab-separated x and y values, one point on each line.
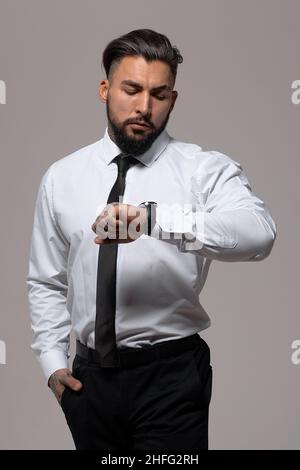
104	214
114	227
107	241
112	223
74	384
69	381
102	229
94	226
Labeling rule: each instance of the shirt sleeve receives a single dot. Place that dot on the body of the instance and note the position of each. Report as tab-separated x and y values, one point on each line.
226	221
47	284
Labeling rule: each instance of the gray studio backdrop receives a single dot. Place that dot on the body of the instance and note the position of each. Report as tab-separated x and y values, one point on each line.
241	59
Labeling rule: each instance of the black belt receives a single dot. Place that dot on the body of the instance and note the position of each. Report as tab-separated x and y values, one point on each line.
142	355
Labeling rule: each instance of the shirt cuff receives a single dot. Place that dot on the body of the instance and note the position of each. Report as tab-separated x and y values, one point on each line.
52	361
192	229
179	224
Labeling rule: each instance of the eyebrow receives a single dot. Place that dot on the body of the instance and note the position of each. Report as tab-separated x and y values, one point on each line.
139	87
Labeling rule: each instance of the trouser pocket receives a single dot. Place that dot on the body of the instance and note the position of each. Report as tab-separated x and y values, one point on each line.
200	361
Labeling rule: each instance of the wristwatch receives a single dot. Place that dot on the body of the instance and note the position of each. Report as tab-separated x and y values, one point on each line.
151	209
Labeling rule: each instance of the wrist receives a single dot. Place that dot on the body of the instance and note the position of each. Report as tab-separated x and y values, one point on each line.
151	215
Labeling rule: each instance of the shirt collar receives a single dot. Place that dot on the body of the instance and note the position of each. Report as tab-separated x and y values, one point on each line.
111	150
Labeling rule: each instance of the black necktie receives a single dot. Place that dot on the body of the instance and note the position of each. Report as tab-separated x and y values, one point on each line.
105	333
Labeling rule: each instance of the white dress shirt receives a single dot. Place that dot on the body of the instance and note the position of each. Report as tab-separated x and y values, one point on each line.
206	211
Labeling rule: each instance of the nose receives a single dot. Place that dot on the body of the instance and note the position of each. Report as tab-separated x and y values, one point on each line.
143	105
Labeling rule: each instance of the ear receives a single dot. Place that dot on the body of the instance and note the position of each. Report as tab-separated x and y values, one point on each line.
103	90
174	98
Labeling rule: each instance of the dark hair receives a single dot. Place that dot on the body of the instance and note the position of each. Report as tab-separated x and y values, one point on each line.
141	42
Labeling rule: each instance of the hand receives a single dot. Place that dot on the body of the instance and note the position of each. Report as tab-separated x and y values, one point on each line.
120	223
60	379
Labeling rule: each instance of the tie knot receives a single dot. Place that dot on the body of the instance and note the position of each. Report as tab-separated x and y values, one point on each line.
124	162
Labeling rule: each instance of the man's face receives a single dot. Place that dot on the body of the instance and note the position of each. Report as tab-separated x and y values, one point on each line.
139	99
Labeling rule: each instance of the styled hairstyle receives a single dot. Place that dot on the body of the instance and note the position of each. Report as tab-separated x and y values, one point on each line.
141	42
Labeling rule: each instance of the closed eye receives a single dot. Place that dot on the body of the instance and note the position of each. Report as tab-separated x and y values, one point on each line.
130	92
133	92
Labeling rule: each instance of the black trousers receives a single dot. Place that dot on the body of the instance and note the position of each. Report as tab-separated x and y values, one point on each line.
161	405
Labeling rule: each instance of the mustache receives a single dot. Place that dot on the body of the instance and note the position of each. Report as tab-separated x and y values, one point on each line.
138	121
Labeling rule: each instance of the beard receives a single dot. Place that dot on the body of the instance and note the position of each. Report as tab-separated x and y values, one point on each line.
130	145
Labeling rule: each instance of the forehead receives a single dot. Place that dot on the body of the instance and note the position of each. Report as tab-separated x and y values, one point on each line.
137	69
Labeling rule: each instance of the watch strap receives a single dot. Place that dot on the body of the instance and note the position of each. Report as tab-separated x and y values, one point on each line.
151	210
